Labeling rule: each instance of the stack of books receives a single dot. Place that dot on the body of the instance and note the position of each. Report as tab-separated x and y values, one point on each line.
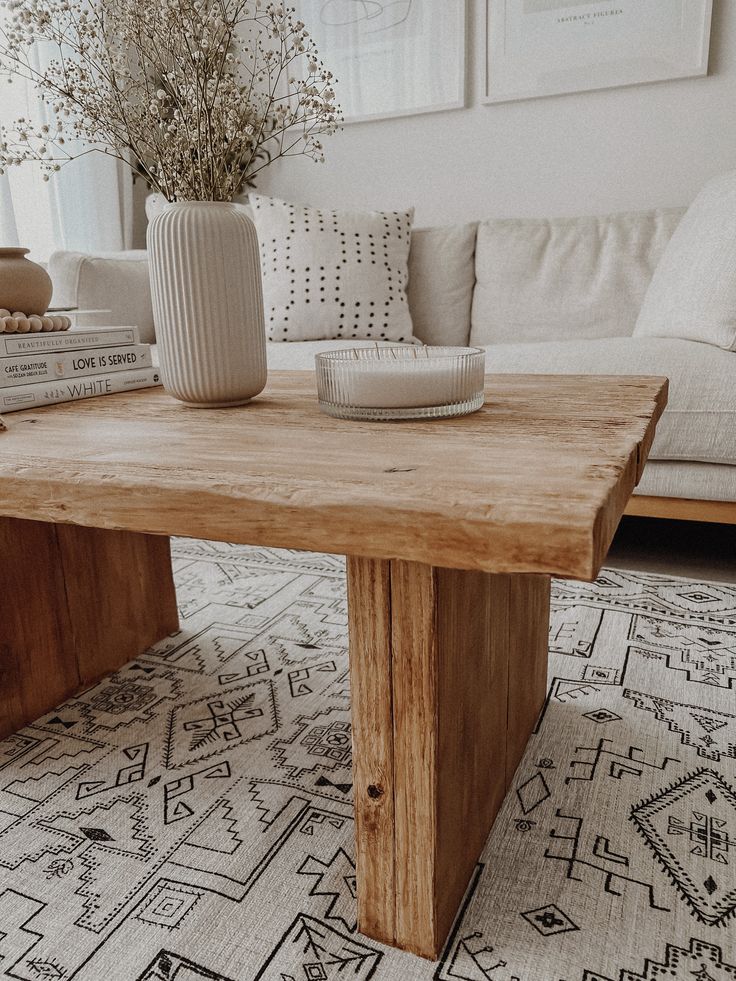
45	368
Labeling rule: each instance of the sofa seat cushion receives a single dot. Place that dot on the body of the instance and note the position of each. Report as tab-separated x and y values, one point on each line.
565	278
692	481
699	423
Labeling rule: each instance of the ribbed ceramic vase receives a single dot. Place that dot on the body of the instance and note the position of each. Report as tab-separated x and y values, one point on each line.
208	303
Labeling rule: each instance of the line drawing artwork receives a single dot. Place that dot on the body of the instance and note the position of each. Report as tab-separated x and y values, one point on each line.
374	15
384	54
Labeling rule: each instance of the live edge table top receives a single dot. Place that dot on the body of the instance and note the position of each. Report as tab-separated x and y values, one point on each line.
536	481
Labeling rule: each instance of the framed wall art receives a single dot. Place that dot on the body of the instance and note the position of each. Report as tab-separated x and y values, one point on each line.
391	57
547	47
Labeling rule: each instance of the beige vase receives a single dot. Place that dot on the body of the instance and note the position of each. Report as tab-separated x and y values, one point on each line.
208	303
24	285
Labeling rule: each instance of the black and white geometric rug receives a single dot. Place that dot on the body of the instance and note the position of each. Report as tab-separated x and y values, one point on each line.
190	817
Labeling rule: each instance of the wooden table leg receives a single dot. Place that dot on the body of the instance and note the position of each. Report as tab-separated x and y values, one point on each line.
448	676
77	603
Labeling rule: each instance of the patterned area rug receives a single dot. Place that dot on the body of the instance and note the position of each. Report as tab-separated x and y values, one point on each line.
190	818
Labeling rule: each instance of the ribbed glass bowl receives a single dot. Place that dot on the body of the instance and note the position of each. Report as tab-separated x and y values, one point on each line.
383	383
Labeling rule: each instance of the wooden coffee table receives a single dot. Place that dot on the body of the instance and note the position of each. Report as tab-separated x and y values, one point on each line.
452	529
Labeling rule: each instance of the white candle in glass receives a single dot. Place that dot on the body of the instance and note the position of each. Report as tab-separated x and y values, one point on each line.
400	384
400	378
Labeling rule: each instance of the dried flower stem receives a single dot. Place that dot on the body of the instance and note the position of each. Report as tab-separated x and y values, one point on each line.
199	95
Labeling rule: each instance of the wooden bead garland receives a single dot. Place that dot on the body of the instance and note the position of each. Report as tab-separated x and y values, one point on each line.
19	323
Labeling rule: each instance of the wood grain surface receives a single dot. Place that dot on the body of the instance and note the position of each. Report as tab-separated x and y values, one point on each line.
79	603
371	708
448	675
529	601
534	482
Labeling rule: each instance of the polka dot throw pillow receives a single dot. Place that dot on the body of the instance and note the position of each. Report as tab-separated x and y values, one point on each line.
331	275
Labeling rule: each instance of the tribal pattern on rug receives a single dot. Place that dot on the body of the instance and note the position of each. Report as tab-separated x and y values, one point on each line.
190	817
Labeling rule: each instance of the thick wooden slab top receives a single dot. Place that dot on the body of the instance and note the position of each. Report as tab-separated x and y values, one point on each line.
536	481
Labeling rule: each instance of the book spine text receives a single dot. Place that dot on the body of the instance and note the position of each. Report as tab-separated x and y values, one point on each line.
26	369
68	340
32	396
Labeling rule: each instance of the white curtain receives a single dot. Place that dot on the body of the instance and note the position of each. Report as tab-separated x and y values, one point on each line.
86	207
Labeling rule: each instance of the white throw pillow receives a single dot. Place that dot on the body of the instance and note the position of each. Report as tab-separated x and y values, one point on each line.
333	274
692	294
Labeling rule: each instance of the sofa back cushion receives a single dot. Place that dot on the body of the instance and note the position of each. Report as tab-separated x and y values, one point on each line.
565	278
441	282
693	292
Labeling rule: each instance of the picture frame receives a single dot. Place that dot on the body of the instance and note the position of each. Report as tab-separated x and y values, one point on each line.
386	55
537	48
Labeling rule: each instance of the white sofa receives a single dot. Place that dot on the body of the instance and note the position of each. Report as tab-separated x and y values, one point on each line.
559	295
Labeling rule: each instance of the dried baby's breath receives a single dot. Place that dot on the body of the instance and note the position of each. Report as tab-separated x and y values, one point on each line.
198	95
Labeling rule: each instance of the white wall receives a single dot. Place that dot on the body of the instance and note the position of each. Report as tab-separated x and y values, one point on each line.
615	150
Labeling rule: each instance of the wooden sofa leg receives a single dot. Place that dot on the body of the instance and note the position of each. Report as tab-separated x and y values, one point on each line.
682	509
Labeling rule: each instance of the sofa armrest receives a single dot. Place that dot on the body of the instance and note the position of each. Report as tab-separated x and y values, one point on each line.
115	281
